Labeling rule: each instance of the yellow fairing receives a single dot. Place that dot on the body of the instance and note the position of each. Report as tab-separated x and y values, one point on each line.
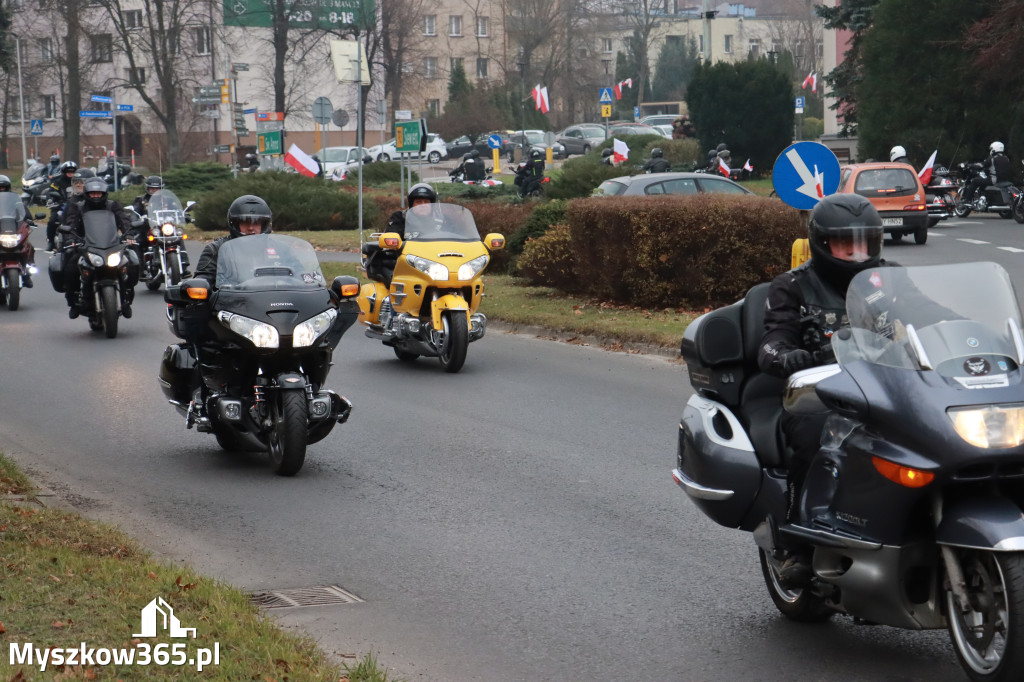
376	291
801	252
412	290
447	302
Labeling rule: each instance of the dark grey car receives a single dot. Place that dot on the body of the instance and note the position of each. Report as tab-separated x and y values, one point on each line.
669	183
580	139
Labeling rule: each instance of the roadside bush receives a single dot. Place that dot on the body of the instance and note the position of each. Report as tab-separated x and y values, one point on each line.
693	251
378	173
188	180
581	175
537	224
496	217
298	203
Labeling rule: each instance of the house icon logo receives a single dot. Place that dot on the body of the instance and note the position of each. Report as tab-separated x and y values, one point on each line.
158	613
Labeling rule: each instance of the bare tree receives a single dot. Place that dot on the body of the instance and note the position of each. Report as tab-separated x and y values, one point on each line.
400	38
642	16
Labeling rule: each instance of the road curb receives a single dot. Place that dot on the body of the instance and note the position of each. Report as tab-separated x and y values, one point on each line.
605	343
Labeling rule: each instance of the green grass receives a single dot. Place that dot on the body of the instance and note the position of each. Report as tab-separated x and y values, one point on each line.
66	580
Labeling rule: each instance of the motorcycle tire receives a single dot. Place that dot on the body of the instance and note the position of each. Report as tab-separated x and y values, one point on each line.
799	605
962	210
287	444
1006	214
932	222
110	309
989	636
174	276
452	352
1018	212
12	281
405	356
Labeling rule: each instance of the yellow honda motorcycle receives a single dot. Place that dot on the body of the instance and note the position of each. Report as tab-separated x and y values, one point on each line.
430	307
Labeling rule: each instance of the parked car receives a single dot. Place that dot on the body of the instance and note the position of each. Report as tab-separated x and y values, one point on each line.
660	119
895	190
536	139
346	158
436	150
669	183
623	129
462	145
580	139
664	129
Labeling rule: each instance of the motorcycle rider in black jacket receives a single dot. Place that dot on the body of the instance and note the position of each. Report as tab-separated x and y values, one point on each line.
380	264
532	173
657	163
998	168
56	195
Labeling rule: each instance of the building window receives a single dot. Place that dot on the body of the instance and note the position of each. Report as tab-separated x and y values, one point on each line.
46	49
606	45
482	27
455	25
727	44
754	46
203	43
434	107
102	106
481	67
457	64
133	18
137	75
50	107
430	67
429	25
700	44
101	48
819	49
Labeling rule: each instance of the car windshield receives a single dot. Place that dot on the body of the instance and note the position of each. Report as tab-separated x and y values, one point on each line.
535	137
885	182
164	207
924	317
335	155
610	188
267	262
440	222
12	212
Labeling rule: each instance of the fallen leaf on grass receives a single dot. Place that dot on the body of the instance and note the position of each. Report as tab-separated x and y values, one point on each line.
283	664
185	587
2	630
54	578
58	624
152	575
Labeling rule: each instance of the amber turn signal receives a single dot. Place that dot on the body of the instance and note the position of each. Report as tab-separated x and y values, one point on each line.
349	290
905	476
197	293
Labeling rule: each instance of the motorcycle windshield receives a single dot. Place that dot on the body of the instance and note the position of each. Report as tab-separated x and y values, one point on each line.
12	212
100	229
960	320
440	223
164	207
36	171
266	262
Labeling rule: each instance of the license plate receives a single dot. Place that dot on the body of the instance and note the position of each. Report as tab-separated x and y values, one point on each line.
892	222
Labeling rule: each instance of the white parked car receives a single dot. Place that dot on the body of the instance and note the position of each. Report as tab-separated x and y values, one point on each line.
341	158
436	150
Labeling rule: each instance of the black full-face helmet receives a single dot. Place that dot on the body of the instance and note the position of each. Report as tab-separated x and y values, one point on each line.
422	190
67	167
845	234
535	154
656	153
55	159
95	192
5	183
249	208
154	183
475	154
605	153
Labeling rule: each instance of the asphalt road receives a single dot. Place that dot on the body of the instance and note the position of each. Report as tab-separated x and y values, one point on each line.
516	521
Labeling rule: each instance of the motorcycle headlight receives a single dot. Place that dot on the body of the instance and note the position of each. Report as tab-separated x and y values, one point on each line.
9	241
96	260
308	332
472	268
434	271
167	229
990	426
261	334
114	259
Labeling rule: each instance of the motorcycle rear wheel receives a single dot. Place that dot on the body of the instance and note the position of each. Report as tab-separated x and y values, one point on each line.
989	637
155	281
800	605
287	445
1018	211
108	300
12	277
962	210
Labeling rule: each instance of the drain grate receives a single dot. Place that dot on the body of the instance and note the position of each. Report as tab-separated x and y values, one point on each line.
303	596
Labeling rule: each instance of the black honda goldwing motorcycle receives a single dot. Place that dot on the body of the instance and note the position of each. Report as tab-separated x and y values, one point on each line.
258	348
998	198
912	508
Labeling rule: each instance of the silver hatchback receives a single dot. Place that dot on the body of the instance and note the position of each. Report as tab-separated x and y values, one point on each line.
669	183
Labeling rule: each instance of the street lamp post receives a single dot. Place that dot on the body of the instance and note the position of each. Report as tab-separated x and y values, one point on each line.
522	106
21	107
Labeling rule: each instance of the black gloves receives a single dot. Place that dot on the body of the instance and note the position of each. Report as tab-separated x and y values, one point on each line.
796	360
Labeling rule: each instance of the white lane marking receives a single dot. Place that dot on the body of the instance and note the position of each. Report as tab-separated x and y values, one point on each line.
973	241
1014	249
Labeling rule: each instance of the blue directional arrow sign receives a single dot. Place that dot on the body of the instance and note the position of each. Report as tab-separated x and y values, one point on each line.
124	107
36	127
89	113
804	173
494	141
605	96
103	99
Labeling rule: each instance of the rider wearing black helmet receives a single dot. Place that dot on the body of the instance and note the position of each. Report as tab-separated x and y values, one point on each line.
657	163
475	167
380	264
247	215
95	199
5	183
56	195
53	167
531	173
154	183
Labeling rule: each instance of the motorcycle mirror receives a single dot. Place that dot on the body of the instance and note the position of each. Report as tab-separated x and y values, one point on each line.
345	286
390	240
189	205
494	241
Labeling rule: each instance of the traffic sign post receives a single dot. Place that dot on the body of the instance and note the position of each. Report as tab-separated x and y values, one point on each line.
408	137
804	173
37	126
494	142
269	142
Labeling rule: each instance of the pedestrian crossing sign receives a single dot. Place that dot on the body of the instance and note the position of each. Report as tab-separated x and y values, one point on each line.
605	96
37	126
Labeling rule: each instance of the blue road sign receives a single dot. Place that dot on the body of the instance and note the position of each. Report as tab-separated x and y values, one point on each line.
799	103
249	111
636	113
89	113
103	99
494	141
605	96
124	107
804	173
37	126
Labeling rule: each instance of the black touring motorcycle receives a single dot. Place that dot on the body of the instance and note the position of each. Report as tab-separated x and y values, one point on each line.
258	348
912	507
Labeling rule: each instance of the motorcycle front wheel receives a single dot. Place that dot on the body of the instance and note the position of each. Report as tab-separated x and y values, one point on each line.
108	301
174	274
453	342
1018	211
12	281
962	210
800	605
988	635
287	446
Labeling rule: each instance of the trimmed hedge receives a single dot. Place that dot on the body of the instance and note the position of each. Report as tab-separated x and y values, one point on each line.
298	203
378	173
693	251
195	178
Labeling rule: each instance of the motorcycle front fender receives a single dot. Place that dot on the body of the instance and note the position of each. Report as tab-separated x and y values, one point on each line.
290	381
450	302
993	523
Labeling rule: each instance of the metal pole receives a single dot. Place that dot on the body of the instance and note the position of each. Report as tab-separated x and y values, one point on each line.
113	122
359	126
21	109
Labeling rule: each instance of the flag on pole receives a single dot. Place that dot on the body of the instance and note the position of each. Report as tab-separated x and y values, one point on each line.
535	93
723	167
819	182
814	84
545	105
811	80
926	172
620	152
628	83
301	161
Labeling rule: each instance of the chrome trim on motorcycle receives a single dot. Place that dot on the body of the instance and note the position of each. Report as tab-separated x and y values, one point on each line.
708	410
800	397
694	489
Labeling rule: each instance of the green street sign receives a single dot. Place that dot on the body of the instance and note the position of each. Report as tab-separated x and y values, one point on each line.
324	14
410	137
269	142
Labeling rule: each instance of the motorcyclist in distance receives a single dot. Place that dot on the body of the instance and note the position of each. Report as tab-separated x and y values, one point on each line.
657	163
53	167
252	163
30	251
532	172
475	167
56	195
154	183
607	155
998	168
898	155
